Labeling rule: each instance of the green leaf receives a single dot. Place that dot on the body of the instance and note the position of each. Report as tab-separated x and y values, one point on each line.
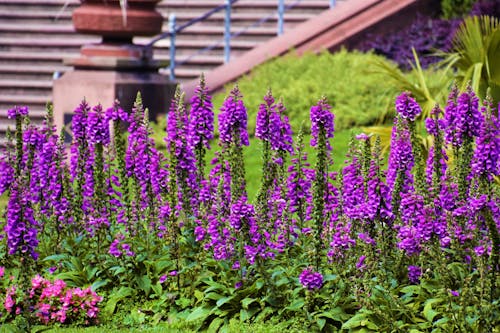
224	300
183	302
441	321
361	319
117	270
98	284
199	295
296	305
73	278
247	301
215	325
428	312
214	286
335	314
244	315
329	277
56	257
282	281
412	289
144	283
157	288
198	313
9	328
321	323
213	296
259	284
121	294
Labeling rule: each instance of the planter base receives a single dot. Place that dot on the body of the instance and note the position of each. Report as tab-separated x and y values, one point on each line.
106	86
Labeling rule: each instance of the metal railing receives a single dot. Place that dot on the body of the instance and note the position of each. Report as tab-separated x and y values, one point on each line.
174	30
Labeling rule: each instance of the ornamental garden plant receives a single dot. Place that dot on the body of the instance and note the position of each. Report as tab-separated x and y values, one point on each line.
113	231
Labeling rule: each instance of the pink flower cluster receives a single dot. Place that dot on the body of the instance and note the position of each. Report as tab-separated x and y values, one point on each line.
54	302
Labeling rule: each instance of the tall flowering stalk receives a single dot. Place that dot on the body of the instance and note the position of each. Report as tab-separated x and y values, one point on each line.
322	130
79	156
118	118
485	165
201	125
274	130
144	165
408	109
19	114
299	183
98	138
182	154
233	135
401	161
463	122
437	156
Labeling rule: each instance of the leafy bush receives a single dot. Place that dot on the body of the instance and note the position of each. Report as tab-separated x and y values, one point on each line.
486	7
345	78
426	35
456	8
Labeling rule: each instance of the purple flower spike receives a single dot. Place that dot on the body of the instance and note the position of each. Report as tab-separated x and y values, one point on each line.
97	127
116	113
273	126
310	279
321	118
407	107
462	117
486	160
414	274
201	124
233	119
17	111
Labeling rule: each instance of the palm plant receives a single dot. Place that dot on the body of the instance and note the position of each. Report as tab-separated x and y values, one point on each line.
476	55
474	60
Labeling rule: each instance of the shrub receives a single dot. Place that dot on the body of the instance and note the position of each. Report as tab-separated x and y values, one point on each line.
345	78
486	7
456	8
426	35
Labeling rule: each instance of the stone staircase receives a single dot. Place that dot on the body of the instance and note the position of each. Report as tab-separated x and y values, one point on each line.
36	35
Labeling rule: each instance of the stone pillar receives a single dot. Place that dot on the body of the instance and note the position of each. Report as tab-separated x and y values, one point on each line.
115	68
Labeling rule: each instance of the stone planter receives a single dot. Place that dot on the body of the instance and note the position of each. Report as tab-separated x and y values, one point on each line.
115	68
105	18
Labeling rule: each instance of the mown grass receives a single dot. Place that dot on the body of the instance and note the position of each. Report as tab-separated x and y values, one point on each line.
234	326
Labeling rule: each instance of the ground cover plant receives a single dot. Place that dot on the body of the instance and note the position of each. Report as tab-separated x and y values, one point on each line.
431	37
115	231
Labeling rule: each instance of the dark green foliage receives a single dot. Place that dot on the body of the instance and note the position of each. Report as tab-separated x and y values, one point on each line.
455	8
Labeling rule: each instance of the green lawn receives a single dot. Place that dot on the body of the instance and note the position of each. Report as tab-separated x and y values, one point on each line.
234	327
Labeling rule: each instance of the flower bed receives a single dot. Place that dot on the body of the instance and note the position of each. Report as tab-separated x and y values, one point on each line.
415	246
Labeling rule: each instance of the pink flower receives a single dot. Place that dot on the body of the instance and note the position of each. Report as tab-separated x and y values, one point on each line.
2	271
37	281
9	301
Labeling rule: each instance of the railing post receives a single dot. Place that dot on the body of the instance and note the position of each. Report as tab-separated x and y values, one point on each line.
227	32
173	32
281	14
332	3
